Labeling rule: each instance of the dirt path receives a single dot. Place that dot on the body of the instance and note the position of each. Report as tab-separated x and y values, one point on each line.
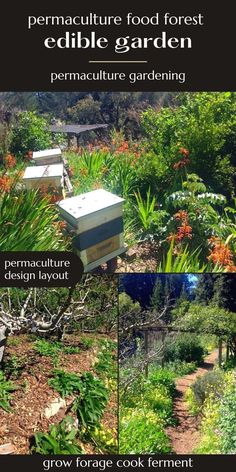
185	435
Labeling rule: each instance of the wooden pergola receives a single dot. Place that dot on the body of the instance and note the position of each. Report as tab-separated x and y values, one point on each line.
166	329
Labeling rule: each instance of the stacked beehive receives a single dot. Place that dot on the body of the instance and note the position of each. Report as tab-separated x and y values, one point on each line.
49	173
96	221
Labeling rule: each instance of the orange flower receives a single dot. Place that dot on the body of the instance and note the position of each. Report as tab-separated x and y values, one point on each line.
181	215
221	254
184	231
9	161
184	151
5	183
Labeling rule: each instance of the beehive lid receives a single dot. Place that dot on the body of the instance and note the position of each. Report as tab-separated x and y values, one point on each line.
46	153
54	170
88	203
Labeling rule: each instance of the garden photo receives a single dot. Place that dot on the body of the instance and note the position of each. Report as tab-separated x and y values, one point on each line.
58	369
132	182
177	364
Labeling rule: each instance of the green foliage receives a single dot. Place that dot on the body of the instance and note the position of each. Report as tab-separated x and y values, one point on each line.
184	348
71	349
227	422
48	348
192	404
6	388
141	432
185	261
14	365
85	342
65	383
209	384
28	223
122	179
158	400
218	419
180	368
105	365
104	440
204	124
61	439
29	133
207	319
91	402
163	377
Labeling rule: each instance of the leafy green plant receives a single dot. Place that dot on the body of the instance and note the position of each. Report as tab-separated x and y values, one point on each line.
14	365
184	261
29	133
61	439
6	388
227	421
210	383
91	401
65	383
145	209
142	432
47	348
163	377
104	440
184	348
105	364
85	342
28	223
71	349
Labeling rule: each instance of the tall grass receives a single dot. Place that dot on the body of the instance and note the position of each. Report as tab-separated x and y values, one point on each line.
28	223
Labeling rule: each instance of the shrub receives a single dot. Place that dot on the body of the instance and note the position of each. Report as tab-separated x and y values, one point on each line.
28	223
209	384
6	388
47	348
141	432
159	400
91	402
14	365
184	348
61	439
65	383
29	134
180	368
227	422
163	377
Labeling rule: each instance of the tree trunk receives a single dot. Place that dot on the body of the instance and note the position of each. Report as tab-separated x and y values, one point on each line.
3	340
220	352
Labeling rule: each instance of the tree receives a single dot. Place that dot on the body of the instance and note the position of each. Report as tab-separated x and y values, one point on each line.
53	311
29	133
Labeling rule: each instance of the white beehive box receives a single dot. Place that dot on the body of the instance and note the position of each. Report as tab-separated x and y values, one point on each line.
96	219
44	177
48	156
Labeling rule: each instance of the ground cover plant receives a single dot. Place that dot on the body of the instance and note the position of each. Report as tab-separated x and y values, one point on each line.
177	364
53	399
177	176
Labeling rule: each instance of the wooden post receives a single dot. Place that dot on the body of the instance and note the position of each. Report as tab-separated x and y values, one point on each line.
162	348
220	352
146	352
227	351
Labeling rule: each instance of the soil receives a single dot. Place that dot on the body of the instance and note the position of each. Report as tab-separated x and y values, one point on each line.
33	394
185	436
142	257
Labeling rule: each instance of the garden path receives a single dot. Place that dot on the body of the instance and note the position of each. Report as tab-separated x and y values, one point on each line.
185	436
